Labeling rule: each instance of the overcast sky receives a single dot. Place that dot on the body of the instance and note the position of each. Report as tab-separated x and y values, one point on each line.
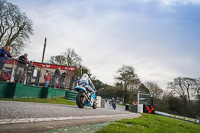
159	38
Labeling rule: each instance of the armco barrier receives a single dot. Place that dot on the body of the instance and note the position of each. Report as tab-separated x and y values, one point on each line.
178	117
48	92
71	95
18	90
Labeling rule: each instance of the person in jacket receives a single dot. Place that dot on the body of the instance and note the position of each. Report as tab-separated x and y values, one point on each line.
47	80
72	82
22	65
30	70
62	79
77	81
37	78
4	54
56	76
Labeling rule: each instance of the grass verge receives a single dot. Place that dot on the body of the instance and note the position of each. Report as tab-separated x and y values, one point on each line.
41	100
149	123
120	104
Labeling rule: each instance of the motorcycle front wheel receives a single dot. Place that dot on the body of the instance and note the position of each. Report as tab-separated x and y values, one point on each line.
94	106
114	106
80	100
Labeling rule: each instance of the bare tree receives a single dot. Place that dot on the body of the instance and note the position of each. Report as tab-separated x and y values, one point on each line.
74	58
58	59
15	27
187	89
154	89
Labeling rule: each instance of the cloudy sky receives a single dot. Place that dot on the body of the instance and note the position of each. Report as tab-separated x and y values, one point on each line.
159	38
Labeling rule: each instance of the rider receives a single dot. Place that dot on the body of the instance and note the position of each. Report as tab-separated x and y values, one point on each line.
86	80
113	100
113	103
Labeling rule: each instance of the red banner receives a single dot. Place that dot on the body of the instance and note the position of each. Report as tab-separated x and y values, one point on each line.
45	65
54	66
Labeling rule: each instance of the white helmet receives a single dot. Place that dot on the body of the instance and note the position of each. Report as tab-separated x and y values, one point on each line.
85	75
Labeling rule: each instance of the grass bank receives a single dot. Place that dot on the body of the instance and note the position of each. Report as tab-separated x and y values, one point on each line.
41	100
120	104
149	123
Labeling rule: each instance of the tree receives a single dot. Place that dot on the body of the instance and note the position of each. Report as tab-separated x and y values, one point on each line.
73	60
129	80
15	27
107	92
58	59
143	89
187	89
154	89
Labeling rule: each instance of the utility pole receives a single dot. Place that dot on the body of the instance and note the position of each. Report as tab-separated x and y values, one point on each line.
45	41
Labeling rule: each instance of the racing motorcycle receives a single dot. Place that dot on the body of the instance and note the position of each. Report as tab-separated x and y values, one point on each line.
114	105
85	97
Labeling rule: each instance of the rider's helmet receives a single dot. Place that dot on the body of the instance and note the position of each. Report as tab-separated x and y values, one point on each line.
85	75
84	79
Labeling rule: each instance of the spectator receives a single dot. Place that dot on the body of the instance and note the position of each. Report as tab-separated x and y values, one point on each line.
56	76
30	70
72	82
47	79
77	81
4	54
66	81
47	72
22	64
37	78
62	79
51	82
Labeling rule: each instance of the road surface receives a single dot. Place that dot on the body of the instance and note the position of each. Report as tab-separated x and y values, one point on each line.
33	117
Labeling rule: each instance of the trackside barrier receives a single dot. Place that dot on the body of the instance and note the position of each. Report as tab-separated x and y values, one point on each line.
133	108
98	101
178	117
18	90
71	95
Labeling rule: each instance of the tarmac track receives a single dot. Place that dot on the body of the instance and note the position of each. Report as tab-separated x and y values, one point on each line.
24	117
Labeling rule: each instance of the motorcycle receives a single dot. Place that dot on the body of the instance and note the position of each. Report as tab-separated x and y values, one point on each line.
114	105
85	97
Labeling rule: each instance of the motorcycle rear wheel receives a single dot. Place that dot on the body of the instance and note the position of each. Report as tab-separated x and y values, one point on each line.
80	100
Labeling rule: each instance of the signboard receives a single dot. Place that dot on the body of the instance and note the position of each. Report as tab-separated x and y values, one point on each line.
54	66
46	65
5	73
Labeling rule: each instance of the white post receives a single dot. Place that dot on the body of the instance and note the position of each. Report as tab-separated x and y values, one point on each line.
138	98
139	106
